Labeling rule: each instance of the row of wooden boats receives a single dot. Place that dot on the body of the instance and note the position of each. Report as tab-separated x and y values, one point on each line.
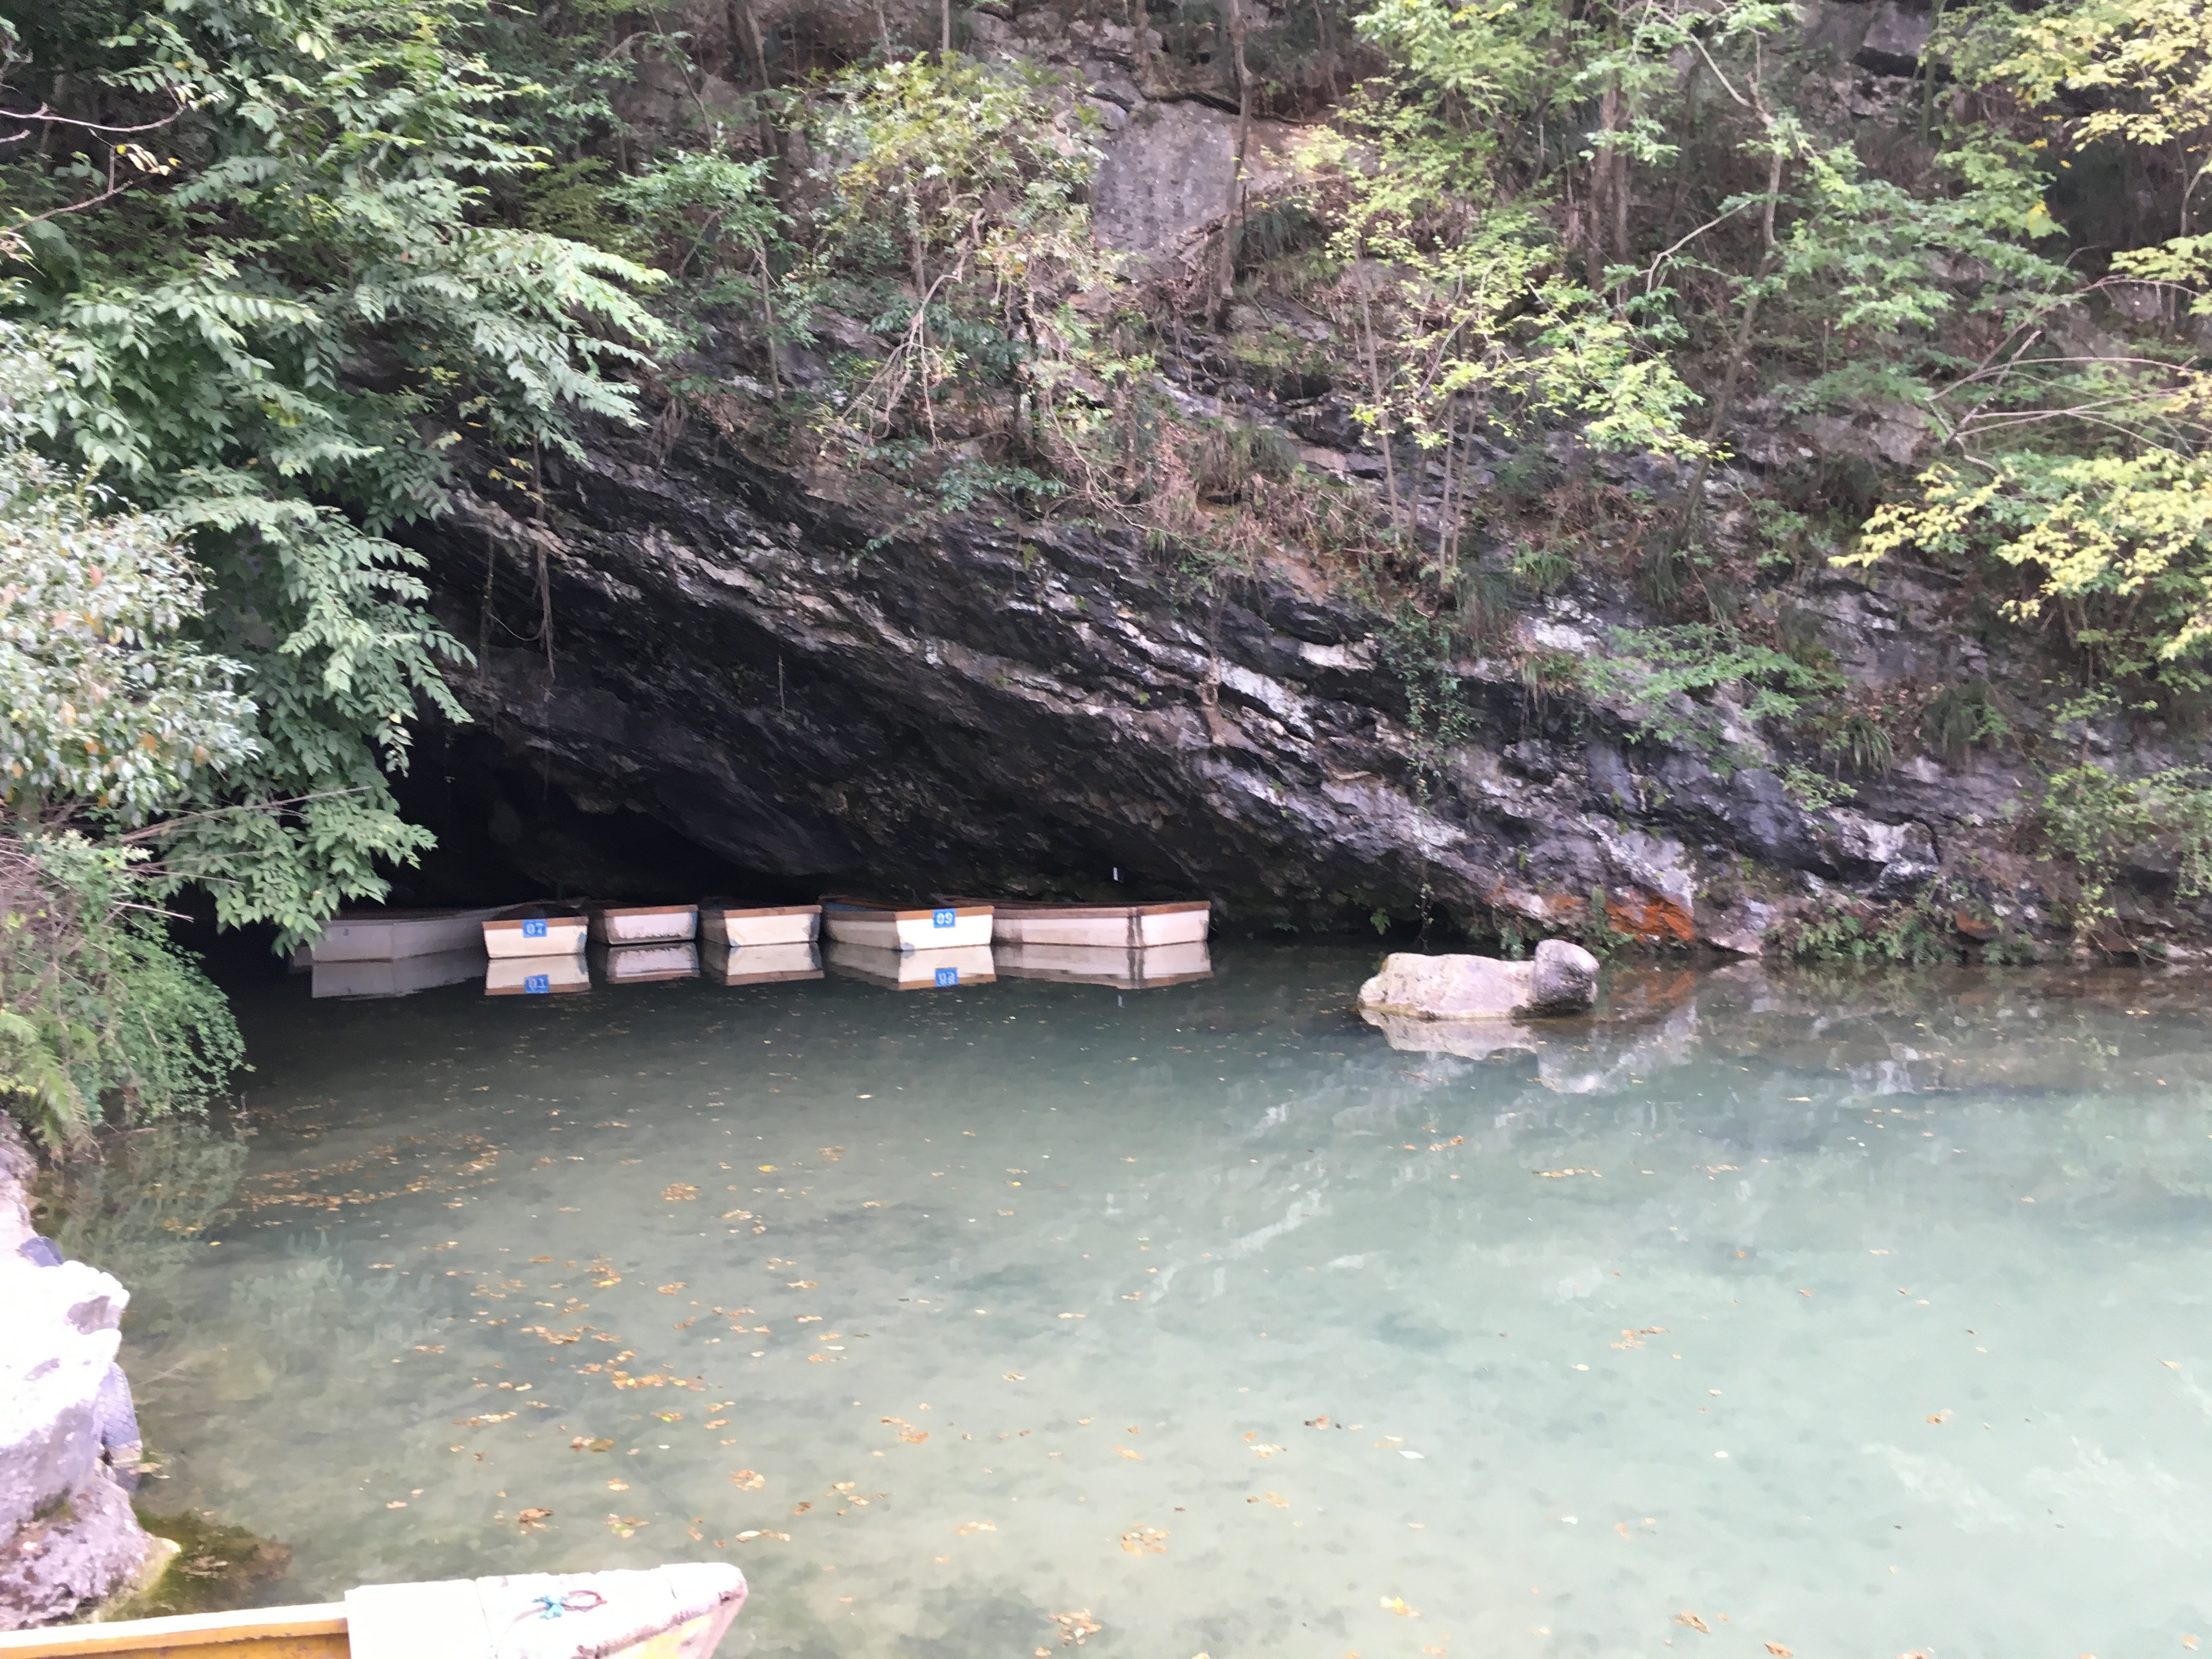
1143	968
945	923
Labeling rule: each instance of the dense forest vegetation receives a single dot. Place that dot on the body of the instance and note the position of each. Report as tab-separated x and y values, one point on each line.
274	273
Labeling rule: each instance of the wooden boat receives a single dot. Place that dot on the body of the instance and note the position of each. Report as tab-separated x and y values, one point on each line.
536	930
912	970
904	927
1141	970
782	924
395	935
676	1612
641	965
402	977
1133	926
535	977
759	964
642	924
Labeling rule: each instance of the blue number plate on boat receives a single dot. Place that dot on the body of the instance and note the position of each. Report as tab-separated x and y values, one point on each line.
534	927
948	976
537	985
944	918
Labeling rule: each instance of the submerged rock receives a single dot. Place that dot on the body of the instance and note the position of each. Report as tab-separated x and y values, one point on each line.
1561	980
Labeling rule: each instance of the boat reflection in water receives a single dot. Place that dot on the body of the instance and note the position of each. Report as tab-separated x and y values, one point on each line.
759	964
1125	969
520	976
400	976
912	970
642	964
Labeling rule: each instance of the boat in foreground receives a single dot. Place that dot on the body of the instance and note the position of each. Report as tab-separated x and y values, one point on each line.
906	928
396	935
536	930
676	1612
1129	926
721	923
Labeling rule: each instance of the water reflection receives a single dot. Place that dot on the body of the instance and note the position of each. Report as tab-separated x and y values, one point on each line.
643	964
912	970
400	978
515	977
760	964
1862	1310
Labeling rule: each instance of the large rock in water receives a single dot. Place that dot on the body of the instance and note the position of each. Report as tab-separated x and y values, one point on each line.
1561	980
67	1538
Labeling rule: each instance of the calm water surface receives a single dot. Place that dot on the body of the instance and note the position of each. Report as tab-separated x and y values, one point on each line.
1852	1316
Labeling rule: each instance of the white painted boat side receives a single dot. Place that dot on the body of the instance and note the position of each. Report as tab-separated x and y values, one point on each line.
760	964
795	924
912	970
635	964
400	978
392	936
944	927
1102	925
563	935
643	924
516	977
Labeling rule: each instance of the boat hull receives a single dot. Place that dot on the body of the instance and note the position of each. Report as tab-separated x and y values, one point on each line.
644	924
535	936
907	930
789	924
676	1611
1140	927
942	969
394	936
759	964
523	976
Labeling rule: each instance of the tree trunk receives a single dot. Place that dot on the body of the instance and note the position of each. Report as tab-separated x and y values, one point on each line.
1232	218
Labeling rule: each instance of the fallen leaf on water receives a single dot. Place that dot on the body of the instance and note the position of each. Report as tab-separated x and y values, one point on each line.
1777	1651
626	1526
1397	1604
540	1261
1557	1175
1142	1541
1074	1626
749	1480
968	1527
801	1508
396	1504
671	1289
2170	1365
800	1285
1321	1422
618	1484
1132	1454
440	1347
1685	1617
1937	1417
581	1444
1265	1451
748	1537
479	1422
1016	1376
677	1191
529	1518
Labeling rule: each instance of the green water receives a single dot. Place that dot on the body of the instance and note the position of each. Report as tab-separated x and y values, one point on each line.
1854	1316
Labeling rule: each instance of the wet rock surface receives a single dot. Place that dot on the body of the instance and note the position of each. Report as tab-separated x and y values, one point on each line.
1562	979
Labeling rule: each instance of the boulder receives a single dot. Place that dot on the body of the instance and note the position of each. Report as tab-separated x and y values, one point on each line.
1561	980
67	1539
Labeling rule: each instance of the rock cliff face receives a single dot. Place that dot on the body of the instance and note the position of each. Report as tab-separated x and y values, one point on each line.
67	1535
701	670
758	672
